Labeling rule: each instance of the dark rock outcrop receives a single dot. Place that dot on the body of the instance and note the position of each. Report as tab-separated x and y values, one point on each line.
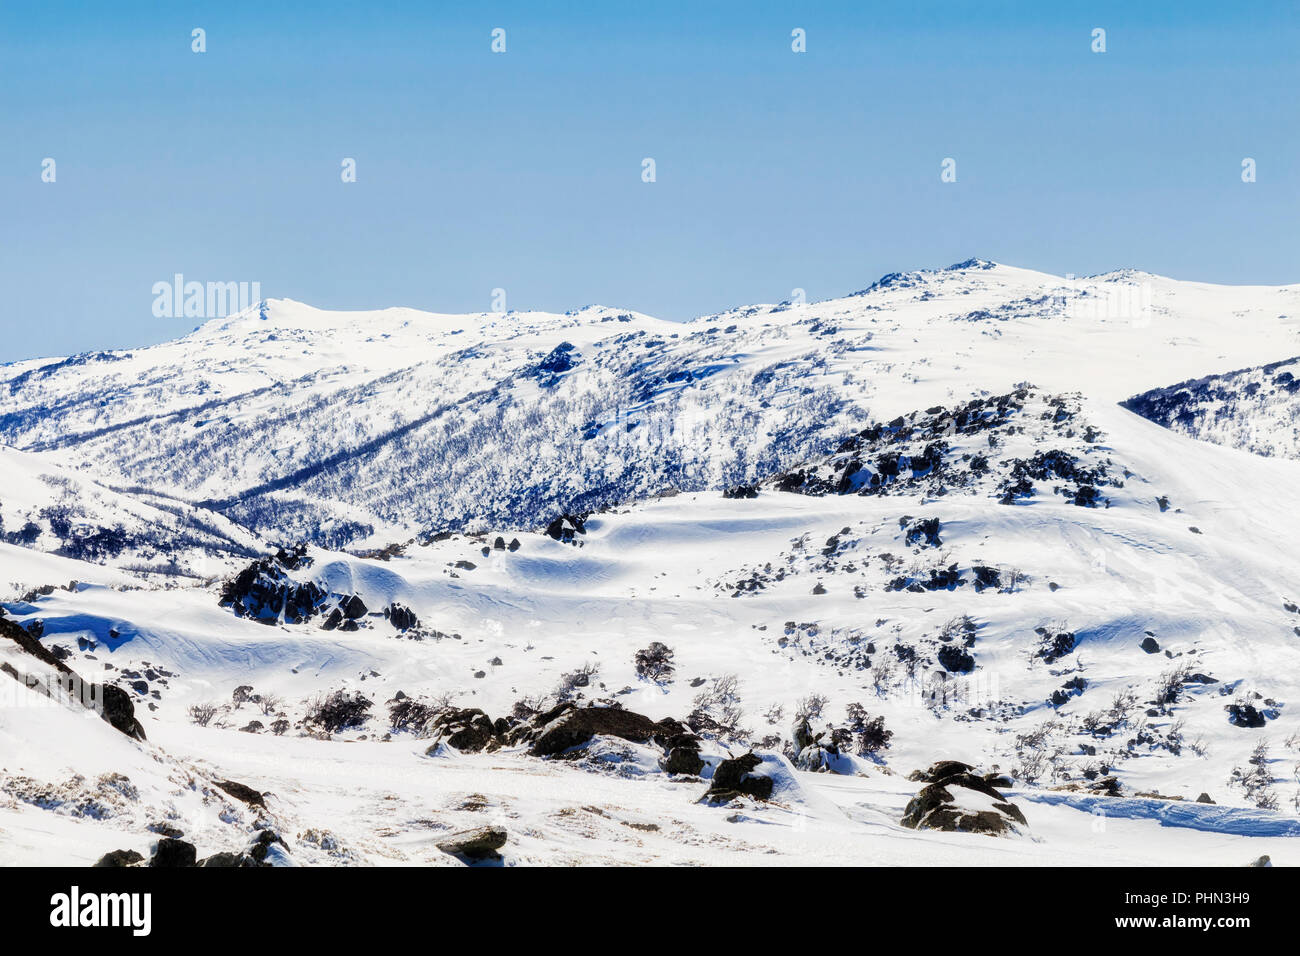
112	702
168	852
939	805
265	592
468	729
115	858
735	778
568	726
259	848
1244	715
566	527
683	760
242	792
401	617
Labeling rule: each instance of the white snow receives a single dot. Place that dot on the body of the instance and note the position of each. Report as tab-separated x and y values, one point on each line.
245	403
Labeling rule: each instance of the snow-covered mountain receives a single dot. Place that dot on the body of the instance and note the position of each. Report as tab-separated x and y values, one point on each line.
561	573
364	428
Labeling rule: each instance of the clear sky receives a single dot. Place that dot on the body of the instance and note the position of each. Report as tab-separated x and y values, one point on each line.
522	170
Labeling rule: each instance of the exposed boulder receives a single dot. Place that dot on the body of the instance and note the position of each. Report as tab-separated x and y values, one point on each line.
568	726
734	778
267	848
957	799
119	711
812	752
468	729
683	760
168	852
550	369
242	792
115	858
566	527
353	607
920	531
225	860
477	844
939	771
1244	715
401	617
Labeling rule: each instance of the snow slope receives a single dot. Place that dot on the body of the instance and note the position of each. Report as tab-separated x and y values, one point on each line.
1032	579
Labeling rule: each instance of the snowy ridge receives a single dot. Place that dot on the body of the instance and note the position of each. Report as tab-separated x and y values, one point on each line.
365	428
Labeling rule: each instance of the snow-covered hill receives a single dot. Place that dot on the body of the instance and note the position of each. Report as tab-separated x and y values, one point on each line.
59	512
859	537
364	428
1257	409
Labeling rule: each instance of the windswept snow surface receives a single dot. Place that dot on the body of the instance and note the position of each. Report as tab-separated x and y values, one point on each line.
946	517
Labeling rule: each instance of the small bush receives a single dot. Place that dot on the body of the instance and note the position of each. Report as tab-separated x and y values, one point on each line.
338	711
202	714
412	715
573	680
810	708
655	663
1170	685
868	733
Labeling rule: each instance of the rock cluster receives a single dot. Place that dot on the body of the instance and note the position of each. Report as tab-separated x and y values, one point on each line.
947	802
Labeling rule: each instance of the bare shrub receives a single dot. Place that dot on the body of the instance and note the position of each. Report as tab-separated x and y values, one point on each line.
1169	686
338	711
1012	578
720	704
810	708
411	715
572	681
1038	754
202	714
1257	782
882	675
654	663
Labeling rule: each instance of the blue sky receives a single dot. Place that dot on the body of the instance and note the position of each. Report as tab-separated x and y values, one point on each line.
522	170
